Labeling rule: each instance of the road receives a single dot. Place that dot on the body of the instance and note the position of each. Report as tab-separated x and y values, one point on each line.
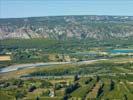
33	65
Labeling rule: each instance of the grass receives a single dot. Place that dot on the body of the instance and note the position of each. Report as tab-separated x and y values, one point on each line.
94	91
84	89
4	96
15	74
60	92
118	93
34	94
129	85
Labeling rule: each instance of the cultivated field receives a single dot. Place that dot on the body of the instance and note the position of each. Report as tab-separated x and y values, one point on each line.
5	58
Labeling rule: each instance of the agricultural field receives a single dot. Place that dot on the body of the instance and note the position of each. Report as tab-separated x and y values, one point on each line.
66	70
5	58
84	88
108	79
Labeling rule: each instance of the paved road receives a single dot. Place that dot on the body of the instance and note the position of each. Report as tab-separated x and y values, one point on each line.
33	65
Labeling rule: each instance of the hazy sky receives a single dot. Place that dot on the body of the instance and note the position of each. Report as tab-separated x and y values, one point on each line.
27	8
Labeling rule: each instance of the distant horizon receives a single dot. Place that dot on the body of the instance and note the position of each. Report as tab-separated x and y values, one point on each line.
40	8
65	15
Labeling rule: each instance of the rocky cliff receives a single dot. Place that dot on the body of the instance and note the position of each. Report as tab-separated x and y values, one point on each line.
63	27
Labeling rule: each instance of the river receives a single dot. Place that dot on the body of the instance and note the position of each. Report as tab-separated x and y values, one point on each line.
33	65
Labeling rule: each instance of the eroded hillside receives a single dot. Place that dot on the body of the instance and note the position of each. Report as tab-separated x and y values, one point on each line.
63	27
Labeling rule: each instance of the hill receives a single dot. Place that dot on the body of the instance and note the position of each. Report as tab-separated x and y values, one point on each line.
64	27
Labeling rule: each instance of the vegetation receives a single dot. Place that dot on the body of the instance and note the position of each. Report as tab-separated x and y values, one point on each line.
97	58
94	89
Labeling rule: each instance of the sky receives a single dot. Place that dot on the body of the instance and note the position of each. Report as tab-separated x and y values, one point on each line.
32	8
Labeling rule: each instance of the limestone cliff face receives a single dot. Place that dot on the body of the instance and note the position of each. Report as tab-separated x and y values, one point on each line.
63	27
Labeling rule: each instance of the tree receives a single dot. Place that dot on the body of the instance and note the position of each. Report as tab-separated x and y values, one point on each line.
18	82
6	84
125	97
45	84
20	94
46	93
65	97
88	80
57	86
32	88
76	77
97	78
100	90
37	98
112	84
71	88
